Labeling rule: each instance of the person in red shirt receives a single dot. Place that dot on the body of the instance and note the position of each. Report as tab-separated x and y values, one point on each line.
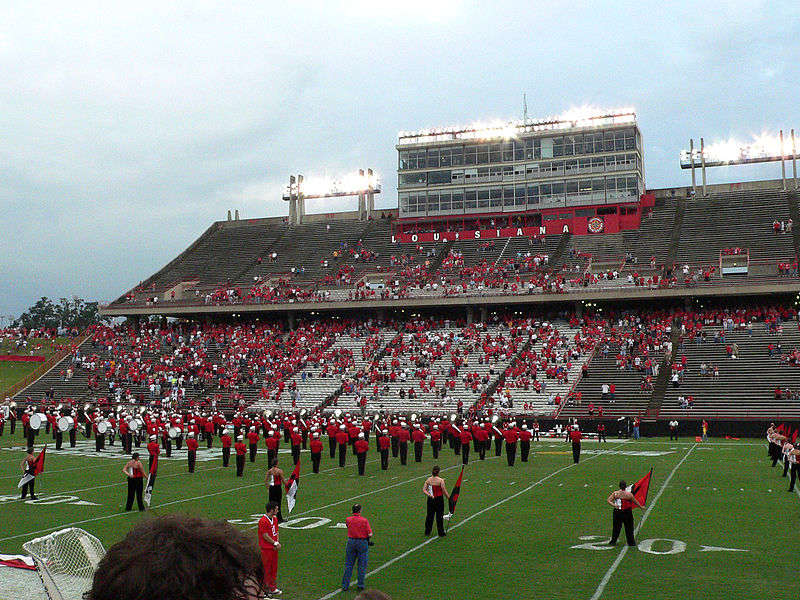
153	450
316	452
297	440
436	491
436	441
208	427
361	446
482	438
272	441
575	437
524	443
419	437
226	447
191	450
252	438
511	435
269	544
465	437
134	471
403	437
359	539
601	432
341	439
331	430
274	481
384	444
241	450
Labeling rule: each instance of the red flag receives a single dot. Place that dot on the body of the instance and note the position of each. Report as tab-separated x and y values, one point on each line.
456	492
639	491
794	436
39	464
291	487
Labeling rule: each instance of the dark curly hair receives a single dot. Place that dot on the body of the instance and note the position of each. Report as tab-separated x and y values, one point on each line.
182	558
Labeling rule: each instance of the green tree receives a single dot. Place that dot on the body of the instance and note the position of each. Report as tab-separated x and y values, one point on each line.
67	312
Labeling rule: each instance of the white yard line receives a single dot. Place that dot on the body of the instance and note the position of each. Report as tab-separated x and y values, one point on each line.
466	520
607	577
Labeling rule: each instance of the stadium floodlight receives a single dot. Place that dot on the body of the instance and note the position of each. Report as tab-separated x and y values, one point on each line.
577	117
762	148
361	183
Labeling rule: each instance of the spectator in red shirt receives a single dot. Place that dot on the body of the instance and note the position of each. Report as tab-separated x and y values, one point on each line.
359	534
269	544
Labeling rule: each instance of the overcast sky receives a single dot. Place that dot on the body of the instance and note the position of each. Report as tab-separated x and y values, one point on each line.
126	132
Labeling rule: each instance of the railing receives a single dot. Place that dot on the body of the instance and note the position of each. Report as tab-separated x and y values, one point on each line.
41	370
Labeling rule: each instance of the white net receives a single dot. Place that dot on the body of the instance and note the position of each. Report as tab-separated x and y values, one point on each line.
66	561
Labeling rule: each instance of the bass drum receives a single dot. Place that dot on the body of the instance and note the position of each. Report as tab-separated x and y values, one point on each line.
37	421
174	432
134	425
102	427
66	424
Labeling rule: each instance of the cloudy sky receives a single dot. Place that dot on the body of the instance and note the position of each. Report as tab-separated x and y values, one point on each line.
127	131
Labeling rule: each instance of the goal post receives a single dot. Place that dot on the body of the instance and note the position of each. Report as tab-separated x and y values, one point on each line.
66	561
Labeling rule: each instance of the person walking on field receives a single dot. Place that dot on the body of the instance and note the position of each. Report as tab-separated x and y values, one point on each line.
134	471
274	480
575	437
359	539
436	491
623	502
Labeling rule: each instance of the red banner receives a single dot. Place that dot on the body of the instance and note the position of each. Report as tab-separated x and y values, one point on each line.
18	358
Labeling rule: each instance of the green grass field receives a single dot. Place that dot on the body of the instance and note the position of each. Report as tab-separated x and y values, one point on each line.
13	371
719	522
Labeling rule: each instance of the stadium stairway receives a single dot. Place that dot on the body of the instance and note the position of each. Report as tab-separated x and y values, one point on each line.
661	382
674	243
558	255
442	254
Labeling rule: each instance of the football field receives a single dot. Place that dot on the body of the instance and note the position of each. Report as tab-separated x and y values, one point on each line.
719	522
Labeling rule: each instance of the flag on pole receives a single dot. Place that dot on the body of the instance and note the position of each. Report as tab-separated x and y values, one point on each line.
456	492
38	467
291	487
151	481
639	490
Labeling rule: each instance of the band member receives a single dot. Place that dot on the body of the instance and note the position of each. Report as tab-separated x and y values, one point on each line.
269	545
436	491
274	481
465	437
341	440
498	441
272	441
29	469
241	451
252	438
482	437
673	430
535	427
361	446
511	436
316	452
59	435
436	441
384	443
191	450
574	436
331	430
166	441
794	466
623	502
601	432
153	450
785	450
134	471
297	441
524	443
393	431
226	441
403	438
73	433
418	436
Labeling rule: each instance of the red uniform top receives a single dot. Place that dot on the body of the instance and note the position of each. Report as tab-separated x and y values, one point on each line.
361	446
226	441
384	442
358	527
332	429
191	444
297	439
353	432
316	446
465	436
153	448
575	436
525	435
271	442
342	438
418	435
436	435
267	528
481	435
511	435
241	449
253	437
403	435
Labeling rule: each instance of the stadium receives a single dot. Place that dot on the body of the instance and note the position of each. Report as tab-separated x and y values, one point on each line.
526	313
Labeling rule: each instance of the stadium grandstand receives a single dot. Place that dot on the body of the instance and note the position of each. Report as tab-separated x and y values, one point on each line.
525	269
